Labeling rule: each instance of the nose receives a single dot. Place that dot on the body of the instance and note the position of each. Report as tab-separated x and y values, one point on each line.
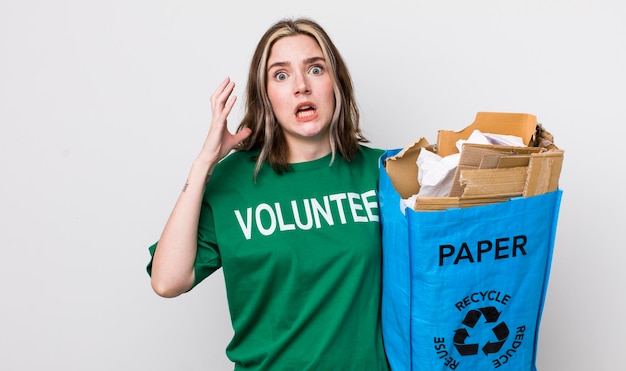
301	85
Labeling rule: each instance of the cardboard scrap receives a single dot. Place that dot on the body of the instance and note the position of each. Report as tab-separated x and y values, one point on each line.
522	125
442	203
473	155
543	173
506	182
404	166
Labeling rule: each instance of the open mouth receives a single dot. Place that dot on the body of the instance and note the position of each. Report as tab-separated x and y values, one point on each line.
305	111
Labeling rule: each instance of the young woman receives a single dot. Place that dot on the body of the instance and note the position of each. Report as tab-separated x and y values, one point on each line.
291	215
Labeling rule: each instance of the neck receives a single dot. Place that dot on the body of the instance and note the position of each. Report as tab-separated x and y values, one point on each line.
303	152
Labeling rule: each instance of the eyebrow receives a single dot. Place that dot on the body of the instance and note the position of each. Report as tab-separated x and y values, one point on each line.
306	61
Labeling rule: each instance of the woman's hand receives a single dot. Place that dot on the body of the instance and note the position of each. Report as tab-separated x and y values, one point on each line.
219	141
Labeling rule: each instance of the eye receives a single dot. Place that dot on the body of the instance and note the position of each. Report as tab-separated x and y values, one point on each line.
316	70
280	76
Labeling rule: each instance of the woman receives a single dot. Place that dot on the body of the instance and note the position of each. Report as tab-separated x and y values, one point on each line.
291	216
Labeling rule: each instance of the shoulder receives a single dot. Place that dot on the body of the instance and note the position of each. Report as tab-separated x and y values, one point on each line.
237	160
236	166
365	160
371	151
369	154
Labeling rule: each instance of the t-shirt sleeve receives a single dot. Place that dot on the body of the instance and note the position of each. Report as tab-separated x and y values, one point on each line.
208	258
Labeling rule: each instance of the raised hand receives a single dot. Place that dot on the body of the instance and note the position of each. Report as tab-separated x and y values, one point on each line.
219	141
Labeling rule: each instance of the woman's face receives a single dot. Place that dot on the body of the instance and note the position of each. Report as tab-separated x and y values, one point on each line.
301	92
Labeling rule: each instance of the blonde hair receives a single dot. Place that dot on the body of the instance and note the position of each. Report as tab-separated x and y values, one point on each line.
267	136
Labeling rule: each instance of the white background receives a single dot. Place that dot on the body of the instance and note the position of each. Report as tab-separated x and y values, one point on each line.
104	104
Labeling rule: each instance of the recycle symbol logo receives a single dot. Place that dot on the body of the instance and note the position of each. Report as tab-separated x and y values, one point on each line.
500	331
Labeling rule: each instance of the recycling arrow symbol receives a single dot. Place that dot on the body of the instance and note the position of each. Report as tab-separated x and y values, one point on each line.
491	315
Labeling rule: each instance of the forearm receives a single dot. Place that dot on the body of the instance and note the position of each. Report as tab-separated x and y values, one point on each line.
174	257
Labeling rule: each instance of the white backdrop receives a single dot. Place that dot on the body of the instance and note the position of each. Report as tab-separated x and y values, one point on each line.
105	103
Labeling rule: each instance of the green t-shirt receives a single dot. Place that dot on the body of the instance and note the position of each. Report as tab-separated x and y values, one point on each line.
301	257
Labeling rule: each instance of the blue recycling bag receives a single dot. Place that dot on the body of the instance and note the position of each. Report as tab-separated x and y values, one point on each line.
463	288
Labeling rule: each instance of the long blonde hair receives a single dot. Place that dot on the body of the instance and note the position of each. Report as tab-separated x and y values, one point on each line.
267	136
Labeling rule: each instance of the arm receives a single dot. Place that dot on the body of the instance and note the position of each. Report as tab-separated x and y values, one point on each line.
173	261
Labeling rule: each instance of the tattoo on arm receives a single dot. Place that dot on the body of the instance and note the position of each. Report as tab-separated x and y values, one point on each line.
186	185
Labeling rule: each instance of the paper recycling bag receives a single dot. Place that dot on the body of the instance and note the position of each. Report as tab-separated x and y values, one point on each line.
463	288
